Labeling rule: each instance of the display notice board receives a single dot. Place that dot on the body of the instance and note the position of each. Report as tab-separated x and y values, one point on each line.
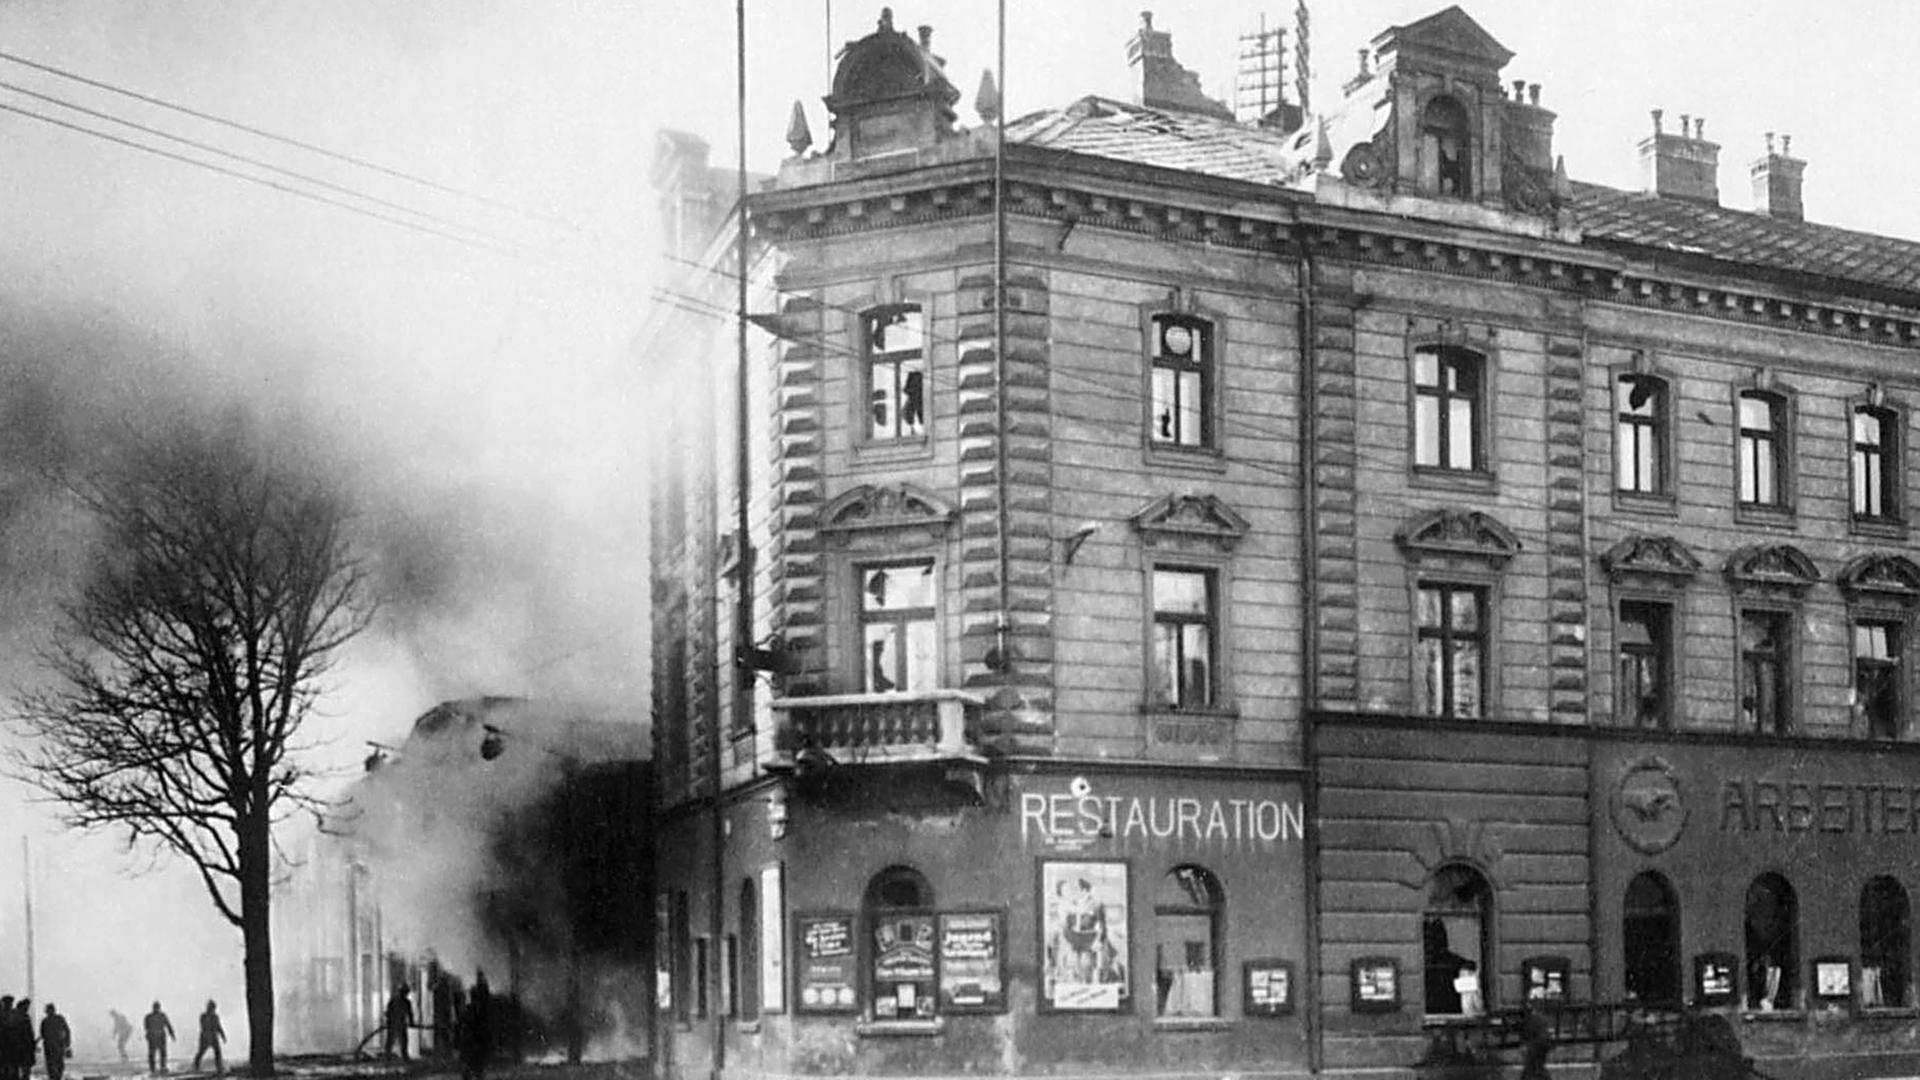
1266	988
826	976
973	955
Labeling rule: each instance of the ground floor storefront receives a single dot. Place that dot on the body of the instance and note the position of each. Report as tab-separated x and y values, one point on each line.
1039	920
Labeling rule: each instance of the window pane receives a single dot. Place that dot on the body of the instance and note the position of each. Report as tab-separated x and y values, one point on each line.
912	410
1430	661
920	660
1183	964
1466	610
1460	433
883	672
1426	368
899	331
1163	404
1466	679
1196	655
1866	483
1430	601
1426	430
1866	428
1190	402
916	585
1765	489
1166	663
1756	414
881	415
1180	592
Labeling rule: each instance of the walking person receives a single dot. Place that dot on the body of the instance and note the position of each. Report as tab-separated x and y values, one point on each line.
122	1031
56	1041
211	1036
399	1019
159	1030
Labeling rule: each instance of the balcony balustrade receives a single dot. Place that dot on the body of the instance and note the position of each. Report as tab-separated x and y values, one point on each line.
920	726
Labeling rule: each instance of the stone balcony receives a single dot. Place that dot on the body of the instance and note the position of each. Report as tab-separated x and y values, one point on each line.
921	726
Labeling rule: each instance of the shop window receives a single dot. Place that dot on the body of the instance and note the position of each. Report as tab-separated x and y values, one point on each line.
1446	149
1186	947
1773	946
1886	936
1640	404
1763	441
893	346
1456	942
1644	639
1876	676
1184	637
1182	381
1448	401
897	911
897	628
1452	648
1876	464
748	977
1650	933
1766	639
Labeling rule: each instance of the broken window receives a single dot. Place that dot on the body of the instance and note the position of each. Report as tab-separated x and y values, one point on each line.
894	346
897	637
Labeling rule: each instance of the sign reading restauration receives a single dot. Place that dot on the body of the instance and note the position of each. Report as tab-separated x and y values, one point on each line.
1079	817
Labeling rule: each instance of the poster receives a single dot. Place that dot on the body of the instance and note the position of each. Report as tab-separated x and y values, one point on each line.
1267	988
1833	978
773	939
825	977
1546	978
903	966
1713	978
1083	926
972	961
1376	984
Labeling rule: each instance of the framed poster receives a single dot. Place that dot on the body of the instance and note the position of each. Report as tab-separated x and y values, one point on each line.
973	961
1084	907
1266	988
1547	979
773	939
902	951
1376	984
1713	979
1832	980
826	976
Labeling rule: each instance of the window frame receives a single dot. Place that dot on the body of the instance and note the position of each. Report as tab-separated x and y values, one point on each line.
902	618
1219	571
1668	656
1488	906
1788	684
1754	990
1781	440
1430	176
1901	950
1211	621
1891	522
1662	437
1486	636
1216	916
872	358
1479	400
1210	453
1897	667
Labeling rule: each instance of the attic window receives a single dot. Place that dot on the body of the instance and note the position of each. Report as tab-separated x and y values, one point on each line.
1446	149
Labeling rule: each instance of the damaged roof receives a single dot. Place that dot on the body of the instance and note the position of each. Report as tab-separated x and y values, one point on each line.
1634	223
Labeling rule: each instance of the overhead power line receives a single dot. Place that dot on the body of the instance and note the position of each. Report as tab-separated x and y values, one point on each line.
284	140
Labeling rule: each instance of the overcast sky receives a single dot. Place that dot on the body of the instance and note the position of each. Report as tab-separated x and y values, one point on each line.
483	404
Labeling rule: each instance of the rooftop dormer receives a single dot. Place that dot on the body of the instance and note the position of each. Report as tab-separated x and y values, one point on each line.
890	94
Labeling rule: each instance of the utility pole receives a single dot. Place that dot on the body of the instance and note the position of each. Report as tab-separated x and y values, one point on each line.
26	888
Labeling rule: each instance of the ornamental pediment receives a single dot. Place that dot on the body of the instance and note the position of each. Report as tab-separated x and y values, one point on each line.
873	508
1659	558
1771	567
1881	577
1193	518
1446	534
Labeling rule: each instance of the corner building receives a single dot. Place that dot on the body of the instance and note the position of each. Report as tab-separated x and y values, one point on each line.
1251	598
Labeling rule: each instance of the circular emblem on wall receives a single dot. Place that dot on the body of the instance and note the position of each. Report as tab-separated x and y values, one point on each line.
1648	811
1363	166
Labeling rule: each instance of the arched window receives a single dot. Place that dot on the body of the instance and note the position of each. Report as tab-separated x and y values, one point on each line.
1186	942
1446	149
749	951
1456	940
1886	937
898	911
1650	931
1773	946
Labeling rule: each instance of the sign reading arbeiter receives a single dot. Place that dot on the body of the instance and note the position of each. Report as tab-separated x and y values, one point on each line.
1082	817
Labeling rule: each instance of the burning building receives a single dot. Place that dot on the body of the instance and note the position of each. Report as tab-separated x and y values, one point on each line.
501	836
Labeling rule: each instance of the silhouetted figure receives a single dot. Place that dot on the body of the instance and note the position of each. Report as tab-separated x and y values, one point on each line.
399	1019
56	1041
159	1030
122	1031
211	1036
9	1041
1536	1041
476	1030
23	1032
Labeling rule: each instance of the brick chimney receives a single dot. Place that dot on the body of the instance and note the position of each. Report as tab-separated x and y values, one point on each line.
1164	84
1682	166
1776	182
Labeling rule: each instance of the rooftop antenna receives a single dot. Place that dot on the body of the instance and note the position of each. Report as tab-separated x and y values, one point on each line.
1259	86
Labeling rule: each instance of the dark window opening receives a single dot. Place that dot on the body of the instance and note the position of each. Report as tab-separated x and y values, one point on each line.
1773	946
1456	942
1182	372
1650	932
1646	651
900	949
1886	937
1876	677
1451	651
1446	156
1765	645
1447	405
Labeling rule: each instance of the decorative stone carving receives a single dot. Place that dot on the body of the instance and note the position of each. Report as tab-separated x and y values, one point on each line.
1880	577
1656	560
1777	568
1191	518
1364	167
1446	534
872	508
1455	840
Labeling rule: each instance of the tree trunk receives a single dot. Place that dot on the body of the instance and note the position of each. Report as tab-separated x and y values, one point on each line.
256	851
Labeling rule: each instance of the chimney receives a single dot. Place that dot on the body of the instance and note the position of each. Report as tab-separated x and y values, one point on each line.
1682	166
1528	128
1164	84
1776	182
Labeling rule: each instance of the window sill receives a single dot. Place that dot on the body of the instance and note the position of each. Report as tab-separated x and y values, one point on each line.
1772	517
1640	502
1191	1023
900	1029
1776	1016
1191	458
1430	476
1879	528
748	1027
1192	712
1887	1012
884	452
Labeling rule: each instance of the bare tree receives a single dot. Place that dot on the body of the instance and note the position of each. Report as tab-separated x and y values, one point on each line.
221	589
